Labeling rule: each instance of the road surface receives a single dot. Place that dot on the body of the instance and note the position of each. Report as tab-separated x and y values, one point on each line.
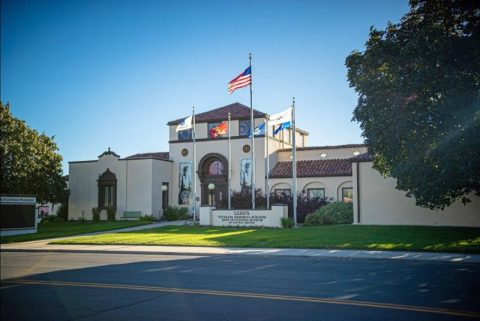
43	285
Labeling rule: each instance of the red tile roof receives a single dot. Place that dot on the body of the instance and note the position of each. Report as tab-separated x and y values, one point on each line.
236	110
159	155
313	168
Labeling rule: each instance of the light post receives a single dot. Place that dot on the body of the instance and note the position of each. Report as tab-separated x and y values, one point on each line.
164	189
211	188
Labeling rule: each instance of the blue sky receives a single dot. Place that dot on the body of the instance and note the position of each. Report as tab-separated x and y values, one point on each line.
98	74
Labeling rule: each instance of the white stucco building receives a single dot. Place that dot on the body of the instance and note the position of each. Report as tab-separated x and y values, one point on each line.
133	184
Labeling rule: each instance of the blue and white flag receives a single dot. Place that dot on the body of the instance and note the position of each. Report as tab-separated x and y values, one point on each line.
282	127
259	130
280	118
184	124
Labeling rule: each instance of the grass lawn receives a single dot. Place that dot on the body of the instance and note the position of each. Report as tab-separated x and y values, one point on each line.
367	237
57	229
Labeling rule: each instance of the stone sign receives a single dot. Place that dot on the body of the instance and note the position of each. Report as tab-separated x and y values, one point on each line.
243	217
254	218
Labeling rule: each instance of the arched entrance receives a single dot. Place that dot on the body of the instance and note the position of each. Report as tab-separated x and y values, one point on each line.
213	168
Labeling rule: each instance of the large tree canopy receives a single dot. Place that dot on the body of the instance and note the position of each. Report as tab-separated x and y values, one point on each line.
419	100
30	162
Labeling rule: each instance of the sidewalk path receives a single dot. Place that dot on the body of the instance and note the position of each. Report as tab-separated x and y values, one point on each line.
42	245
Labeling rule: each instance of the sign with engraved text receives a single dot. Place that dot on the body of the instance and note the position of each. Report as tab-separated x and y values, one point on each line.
253	218
243	217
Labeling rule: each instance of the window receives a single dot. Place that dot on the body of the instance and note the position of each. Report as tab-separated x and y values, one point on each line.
315	193
283	192
347	194
244	127
107	189
108	195
215	168
185	134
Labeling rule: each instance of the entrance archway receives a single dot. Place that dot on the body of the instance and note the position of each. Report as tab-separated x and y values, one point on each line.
213	168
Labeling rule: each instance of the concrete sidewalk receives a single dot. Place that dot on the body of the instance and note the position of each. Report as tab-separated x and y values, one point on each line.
42	245
142	249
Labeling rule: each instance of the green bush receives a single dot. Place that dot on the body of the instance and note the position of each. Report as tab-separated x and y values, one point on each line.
333	213
50	218
95	214
176	213
111	212
286	222
63	211
147	218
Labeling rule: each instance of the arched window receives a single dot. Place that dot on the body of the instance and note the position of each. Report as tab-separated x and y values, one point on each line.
215	168
107	189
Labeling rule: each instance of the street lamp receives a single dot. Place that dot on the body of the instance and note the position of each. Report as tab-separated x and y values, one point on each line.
211	187
164	189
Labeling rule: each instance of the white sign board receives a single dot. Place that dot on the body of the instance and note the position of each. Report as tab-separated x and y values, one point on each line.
18	200
244	218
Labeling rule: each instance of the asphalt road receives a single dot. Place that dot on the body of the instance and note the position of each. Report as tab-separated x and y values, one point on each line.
117	286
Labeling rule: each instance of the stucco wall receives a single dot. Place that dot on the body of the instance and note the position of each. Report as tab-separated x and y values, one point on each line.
138	185
161	172
221	147
138	191
381	203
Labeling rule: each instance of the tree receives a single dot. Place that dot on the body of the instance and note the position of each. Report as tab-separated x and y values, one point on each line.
30	163
418	83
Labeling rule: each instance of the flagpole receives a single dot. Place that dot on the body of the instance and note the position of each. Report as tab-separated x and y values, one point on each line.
294	165
252	126
194	169
267	187
229	167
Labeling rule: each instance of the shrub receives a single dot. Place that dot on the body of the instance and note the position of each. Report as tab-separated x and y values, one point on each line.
147	218
333	213
95	214
49	218
305	205
176	213
111	212
287	222
63	211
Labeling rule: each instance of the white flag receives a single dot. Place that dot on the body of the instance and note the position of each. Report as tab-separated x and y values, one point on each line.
185	124
280	118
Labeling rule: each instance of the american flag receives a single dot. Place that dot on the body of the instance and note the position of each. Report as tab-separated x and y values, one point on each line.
242	80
